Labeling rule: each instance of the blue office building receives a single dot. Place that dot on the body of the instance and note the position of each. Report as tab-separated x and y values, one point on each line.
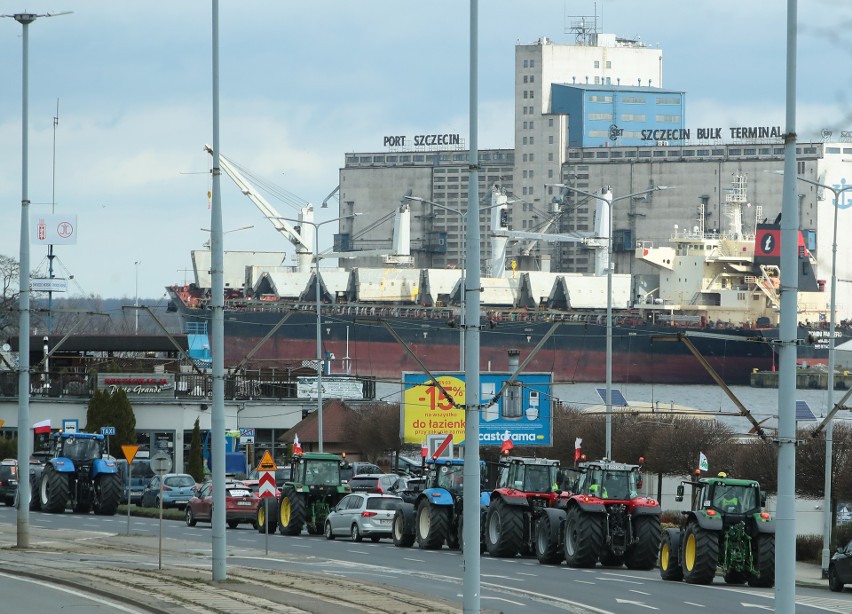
611	116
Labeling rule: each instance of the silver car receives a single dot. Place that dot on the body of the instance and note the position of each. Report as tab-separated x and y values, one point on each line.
361	515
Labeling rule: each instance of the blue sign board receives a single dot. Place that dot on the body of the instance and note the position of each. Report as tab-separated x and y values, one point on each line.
522	412
107	430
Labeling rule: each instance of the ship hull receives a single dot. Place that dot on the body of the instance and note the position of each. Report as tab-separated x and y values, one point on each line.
576	352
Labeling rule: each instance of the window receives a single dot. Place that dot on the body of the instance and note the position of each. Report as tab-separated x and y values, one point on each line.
608	81
531	174
526	79
718	152
608	64
526	95
615	154
703	152
672	119
524	191
526	63
532	125
602	154
550	122
525	109
525	125
597	64
525	174
532	93
532	157
604	99
532	63
532	140
532	78
632	117
835	150
597	80
525	157
524	140
531	190
550	157
550	173
664	100
600	116
750	151
550	140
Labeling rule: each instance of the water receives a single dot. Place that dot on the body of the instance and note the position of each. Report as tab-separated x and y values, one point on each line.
761	402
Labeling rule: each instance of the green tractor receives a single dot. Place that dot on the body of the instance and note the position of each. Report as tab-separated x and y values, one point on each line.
726	530
307	498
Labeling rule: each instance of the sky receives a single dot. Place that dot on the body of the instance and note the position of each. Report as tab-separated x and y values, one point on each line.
303	83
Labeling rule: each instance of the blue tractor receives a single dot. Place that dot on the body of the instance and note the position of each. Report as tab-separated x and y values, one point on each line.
80	475
435	516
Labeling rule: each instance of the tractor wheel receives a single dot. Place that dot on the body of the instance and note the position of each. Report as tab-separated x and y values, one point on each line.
733	576
584	538
460	529
700	554
643	554
190	517
764	554
35	494
107	494
329	535
55	490
547	541
504	531
291	512
670	568
233	524
401	537
262	519
453	535
431	525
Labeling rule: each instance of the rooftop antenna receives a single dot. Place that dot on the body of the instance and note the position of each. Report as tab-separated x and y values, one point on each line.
50	255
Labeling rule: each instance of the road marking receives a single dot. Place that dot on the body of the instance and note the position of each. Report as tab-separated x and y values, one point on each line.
695	605
755	605
583	581
110	604
633	590
414	560
486	575
638	604
619	580
357	552
518	603
533	575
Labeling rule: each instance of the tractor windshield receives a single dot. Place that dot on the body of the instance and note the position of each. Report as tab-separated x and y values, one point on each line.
81	449
541	478
451	477
733	499
610	483
326	473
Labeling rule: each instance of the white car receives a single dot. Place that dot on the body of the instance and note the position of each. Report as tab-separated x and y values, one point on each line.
361	515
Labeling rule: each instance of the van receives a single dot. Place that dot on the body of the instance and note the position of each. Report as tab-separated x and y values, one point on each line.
140	475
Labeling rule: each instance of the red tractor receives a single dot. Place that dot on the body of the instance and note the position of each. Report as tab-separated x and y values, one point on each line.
525	487
604	519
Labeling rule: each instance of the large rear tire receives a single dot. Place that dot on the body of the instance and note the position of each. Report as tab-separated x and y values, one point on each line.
35	493
643	554
700	554
55	490
402	537
504	531
431	525
584	538
670	568
291	512
764	553
107	494
547	549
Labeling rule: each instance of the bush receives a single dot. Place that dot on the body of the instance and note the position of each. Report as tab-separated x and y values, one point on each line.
842	536
671	517
809	548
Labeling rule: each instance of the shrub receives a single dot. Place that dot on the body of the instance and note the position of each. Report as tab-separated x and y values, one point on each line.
671	517
809	548
842	536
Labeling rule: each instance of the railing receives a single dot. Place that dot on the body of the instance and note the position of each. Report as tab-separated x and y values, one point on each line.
187	386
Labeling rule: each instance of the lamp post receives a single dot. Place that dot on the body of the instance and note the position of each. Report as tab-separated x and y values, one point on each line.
605	196
136	302
829	403
24	437
461	262
320	360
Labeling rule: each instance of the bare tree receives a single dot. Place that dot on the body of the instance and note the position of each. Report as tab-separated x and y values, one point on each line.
374	429
10	274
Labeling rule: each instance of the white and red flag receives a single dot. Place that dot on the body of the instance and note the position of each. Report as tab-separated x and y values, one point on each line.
577	451
297	447
42	427
507	443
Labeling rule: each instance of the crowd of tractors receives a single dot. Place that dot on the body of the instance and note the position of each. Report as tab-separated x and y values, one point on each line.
585	514
592	512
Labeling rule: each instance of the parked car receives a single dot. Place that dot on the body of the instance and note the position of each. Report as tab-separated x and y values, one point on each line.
840	568
358	468
8	480
407	488
373	482
240	505
282	474
178	488
134	480
361	515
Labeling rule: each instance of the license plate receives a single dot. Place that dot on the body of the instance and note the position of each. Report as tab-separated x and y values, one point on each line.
384	520
243	502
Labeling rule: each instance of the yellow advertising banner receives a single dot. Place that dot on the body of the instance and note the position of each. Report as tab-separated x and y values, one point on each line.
429	412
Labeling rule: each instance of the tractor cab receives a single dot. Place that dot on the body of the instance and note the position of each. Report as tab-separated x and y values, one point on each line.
531	475
81	448
316	470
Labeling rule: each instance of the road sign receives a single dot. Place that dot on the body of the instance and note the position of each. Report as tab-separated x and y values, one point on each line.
129	452
266	463
444	445
69	425
266	484
246	437
161	463
107	430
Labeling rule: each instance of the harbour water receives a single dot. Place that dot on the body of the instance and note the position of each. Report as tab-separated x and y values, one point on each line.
761	402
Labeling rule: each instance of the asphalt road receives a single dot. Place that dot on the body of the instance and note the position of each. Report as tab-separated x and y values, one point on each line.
507	585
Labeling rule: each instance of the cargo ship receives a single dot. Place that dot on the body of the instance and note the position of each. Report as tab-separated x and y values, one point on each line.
708	283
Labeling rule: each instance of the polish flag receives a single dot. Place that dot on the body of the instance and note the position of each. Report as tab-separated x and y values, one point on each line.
42	427
297	447
507	443
577	452
424	449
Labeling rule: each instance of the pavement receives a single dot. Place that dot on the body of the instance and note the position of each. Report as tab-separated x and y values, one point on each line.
126	568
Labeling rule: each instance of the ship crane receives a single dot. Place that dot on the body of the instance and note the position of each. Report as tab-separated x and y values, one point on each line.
302	242
500	234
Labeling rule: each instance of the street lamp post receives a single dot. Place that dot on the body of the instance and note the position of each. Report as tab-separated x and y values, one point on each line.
829	429
606	197
136	302
461	262
320	358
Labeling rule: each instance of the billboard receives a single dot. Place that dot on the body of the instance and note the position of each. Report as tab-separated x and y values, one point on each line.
523	410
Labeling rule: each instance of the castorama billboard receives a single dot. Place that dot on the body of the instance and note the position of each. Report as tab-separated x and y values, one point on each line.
522	412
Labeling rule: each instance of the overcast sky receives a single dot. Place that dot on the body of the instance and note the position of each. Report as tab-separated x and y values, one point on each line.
303	83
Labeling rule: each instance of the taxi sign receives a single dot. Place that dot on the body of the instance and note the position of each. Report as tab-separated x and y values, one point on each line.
129	452
266	463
